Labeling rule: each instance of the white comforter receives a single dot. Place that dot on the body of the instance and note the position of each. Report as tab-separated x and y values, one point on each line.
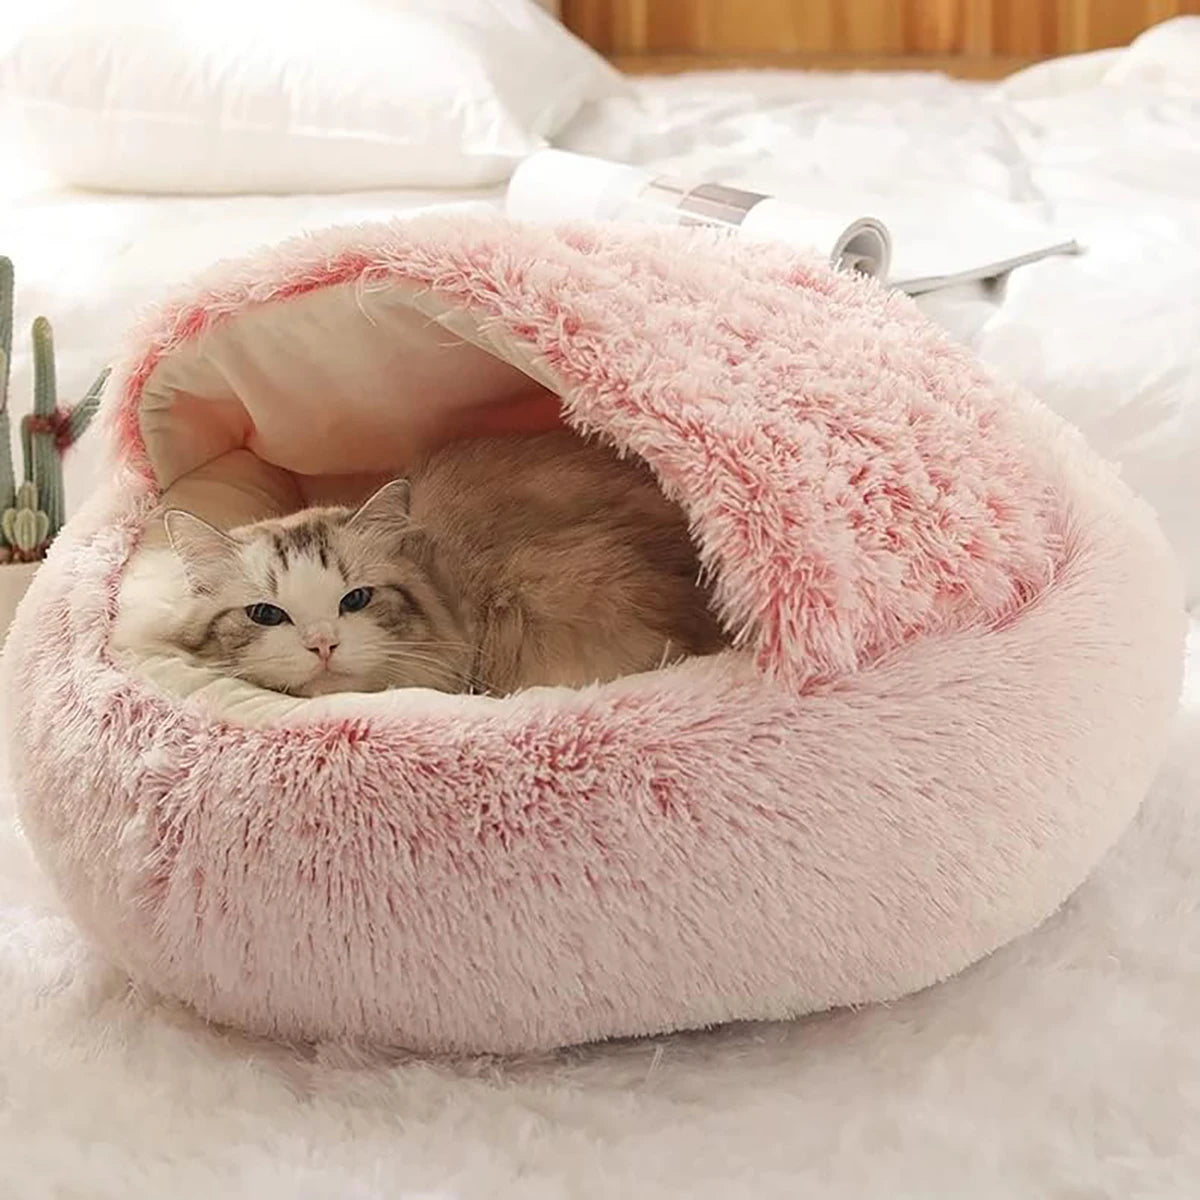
1067	1064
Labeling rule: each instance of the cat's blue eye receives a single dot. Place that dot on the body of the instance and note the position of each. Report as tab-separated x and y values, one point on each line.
355	601
267	614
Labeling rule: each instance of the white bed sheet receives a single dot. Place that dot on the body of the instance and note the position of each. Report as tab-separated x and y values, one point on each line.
1068	1064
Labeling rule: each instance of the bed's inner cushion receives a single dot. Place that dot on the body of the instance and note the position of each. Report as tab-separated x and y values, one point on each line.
339	381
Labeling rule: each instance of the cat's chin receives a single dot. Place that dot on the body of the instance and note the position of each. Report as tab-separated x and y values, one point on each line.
329	682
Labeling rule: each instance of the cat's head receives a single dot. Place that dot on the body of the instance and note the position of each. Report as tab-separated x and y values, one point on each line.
327	600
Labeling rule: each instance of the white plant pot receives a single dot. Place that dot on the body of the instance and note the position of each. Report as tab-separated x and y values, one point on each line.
14	580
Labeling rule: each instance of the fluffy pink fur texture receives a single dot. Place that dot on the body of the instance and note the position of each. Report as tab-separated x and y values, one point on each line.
963	644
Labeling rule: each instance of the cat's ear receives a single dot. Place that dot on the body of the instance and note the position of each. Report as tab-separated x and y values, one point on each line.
206	553
388	507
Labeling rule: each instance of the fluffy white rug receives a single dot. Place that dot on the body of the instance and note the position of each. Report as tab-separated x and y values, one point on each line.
1067	1065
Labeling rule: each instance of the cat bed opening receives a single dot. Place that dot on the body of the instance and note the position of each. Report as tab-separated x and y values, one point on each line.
957	645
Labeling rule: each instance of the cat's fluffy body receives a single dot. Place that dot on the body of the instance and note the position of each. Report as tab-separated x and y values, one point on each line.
499	564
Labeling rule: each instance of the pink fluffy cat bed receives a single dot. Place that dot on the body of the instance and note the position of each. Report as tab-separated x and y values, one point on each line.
957	648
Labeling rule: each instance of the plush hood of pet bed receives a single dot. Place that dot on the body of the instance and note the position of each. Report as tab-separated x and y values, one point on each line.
958	645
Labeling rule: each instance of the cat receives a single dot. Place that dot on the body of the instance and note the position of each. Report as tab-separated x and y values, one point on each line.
498	564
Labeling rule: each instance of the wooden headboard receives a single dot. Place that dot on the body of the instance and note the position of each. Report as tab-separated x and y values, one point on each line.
983	38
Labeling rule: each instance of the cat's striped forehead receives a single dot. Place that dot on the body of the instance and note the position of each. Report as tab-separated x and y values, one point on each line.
304	545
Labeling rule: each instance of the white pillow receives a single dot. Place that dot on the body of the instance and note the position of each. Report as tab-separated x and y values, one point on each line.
1166	57
290	95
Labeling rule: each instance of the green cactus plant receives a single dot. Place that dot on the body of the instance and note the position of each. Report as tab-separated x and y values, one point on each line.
8	483
32	514
26	527
38	433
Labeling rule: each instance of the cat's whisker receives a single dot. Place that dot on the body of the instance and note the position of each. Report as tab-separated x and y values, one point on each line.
434	645
233	671
410	657
431	665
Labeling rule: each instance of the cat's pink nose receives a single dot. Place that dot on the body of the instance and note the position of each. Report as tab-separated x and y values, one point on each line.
323	650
